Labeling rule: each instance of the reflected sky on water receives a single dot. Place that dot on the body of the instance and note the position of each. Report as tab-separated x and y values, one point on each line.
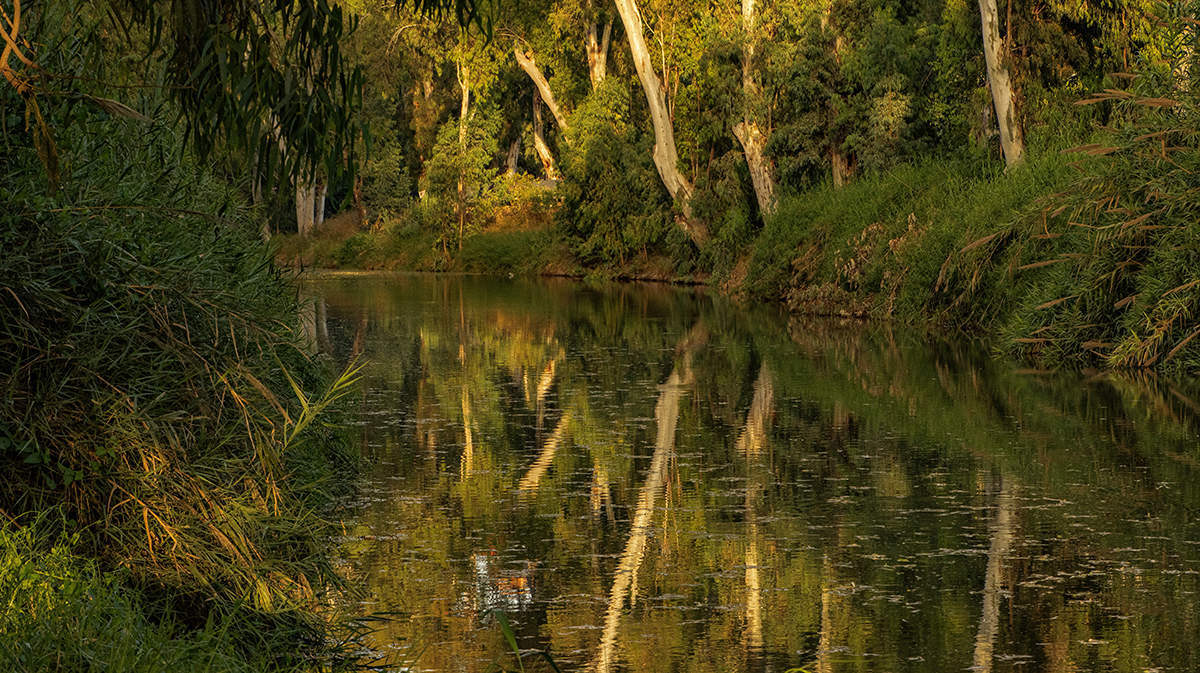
644	478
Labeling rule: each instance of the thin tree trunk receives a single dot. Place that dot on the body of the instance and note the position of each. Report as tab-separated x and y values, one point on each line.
666	156
841	165
514	153
539	140
543	86
319	205
1000	80
463	73
749	132
597	51
843	168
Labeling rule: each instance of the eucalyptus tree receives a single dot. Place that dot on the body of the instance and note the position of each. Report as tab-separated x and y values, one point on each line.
1012	140
666	156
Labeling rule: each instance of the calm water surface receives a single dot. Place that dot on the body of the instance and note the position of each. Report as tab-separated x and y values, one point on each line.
648	479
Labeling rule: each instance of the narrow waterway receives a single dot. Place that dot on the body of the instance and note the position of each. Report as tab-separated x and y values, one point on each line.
644	478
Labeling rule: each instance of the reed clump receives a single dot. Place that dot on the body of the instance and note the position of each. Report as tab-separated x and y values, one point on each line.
165	435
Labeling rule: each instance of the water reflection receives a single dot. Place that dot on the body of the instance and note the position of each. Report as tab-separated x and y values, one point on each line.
645	479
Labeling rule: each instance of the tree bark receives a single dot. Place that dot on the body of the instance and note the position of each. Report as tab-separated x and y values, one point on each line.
463	74
543	86
510	159
666	156
305	191
748	132
843	168
539	140
1000	80
597	51
319	205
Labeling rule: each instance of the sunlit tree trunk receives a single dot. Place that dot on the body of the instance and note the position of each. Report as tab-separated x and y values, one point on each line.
539	141
749	132
543	86
597	50
463	74
1000	80
666	156
666	415
989	620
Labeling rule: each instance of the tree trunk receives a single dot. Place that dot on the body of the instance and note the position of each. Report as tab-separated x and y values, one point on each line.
510	159
597	51
843	168
543	86
463	74
539	140
748	132
666	157
319	205
305	190
1000	81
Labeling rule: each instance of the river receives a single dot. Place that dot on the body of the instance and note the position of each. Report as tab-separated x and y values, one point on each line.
648	478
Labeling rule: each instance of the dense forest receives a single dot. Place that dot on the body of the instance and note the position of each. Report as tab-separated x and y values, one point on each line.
1019	168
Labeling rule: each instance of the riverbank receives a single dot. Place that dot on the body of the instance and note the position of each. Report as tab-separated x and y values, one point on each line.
1078	257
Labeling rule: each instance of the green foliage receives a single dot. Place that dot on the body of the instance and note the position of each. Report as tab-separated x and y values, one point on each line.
157	393
458	179
614	206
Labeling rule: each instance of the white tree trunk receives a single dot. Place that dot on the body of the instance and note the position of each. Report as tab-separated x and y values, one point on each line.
666	156
543	86
748	132
539	140
463	74
1000	81
597	51
305	192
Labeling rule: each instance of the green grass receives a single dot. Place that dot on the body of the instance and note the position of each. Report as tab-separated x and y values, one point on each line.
62	613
